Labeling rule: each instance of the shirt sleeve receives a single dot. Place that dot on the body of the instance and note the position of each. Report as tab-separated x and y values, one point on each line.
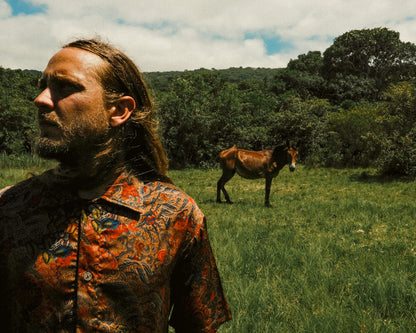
199	304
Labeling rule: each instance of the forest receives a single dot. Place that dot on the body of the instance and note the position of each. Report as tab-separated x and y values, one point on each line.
354	105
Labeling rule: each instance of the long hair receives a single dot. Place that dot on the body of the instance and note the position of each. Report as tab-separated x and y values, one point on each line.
143	151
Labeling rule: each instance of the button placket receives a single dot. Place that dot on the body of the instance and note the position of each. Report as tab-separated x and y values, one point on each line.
86	214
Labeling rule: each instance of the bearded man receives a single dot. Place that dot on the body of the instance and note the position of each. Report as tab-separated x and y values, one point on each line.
104	242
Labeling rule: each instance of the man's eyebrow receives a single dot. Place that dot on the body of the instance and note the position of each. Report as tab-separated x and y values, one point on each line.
45	79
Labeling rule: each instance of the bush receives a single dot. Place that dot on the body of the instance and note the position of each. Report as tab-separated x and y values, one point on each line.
398	121
398	155
352	137
303	123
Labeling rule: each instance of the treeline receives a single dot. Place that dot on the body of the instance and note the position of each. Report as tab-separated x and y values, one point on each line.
353	105
18	89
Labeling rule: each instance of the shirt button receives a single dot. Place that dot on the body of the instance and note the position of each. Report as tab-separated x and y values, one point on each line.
87	276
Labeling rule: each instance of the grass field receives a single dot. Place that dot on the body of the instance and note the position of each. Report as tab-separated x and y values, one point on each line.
17	168
335	253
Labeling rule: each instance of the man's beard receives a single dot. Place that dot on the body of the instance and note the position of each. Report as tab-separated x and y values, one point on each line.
64	150
73	144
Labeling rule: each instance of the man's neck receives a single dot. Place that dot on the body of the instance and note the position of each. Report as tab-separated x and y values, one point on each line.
91	176
89	194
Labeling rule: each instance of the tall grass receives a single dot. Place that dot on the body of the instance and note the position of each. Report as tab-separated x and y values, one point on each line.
335	253
16	168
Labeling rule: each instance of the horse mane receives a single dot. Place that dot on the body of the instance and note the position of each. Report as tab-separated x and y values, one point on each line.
278	150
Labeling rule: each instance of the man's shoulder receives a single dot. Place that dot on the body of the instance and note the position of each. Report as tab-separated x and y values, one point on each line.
3	190
24	189
174	200
150	197
166	192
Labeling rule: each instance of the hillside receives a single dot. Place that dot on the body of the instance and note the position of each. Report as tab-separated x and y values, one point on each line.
160	81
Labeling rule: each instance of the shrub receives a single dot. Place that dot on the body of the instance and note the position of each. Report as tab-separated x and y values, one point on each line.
398	121
352	137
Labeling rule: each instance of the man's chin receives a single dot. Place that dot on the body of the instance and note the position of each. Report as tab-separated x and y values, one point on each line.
52	150
69	150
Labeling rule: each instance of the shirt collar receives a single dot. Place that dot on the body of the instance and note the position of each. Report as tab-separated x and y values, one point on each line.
126	191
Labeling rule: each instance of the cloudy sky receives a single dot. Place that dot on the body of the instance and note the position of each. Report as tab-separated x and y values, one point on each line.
165	35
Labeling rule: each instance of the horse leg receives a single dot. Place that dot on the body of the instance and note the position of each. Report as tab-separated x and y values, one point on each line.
226	176
219	187
267	195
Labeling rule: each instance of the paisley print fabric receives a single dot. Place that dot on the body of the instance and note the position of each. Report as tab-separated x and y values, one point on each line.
124	262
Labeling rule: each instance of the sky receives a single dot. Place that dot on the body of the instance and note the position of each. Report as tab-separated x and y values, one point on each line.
177	35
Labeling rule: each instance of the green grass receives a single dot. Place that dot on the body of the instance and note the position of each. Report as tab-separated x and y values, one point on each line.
16	168
335	253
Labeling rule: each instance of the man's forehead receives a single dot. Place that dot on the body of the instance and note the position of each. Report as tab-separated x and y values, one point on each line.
70	62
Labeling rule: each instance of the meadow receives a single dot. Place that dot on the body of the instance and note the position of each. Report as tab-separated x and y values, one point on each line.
336	252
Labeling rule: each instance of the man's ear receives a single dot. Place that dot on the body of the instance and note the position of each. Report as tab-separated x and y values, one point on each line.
122	110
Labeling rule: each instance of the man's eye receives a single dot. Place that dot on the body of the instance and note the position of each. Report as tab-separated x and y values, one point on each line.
60	88
42	84
64	88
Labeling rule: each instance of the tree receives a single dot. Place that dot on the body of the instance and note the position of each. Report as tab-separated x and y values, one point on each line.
351	137
302	76
203	115
304	123
398	139
310	63
18	127
197	118
370	59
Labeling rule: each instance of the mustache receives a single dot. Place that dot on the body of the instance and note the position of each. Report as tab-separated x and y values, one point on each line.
48	120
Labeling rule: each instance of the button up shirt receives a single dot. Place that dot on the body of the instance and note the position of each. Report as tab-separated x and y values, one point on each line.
126	261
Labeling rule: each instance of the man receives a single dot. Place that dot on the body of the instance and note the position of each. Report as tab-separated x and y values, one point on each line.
104	242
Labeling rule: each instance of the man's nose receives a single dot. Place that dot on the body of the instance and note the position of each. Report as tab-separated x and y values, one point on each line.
44	100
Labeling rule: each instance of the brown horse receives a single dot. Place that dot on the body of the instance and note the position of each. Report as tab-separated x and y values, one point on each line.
254	165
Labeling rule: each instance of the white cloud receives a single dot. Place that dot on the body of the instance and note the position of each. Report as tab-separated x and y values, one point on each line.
187	34
5	10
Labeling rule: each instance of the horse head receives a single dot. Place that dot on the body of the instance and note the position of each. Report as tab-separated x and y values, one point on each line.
292	153
285	154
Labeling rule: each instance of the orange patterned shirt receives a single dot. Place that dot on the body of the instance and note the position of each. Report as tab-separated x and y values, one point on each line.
124	262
